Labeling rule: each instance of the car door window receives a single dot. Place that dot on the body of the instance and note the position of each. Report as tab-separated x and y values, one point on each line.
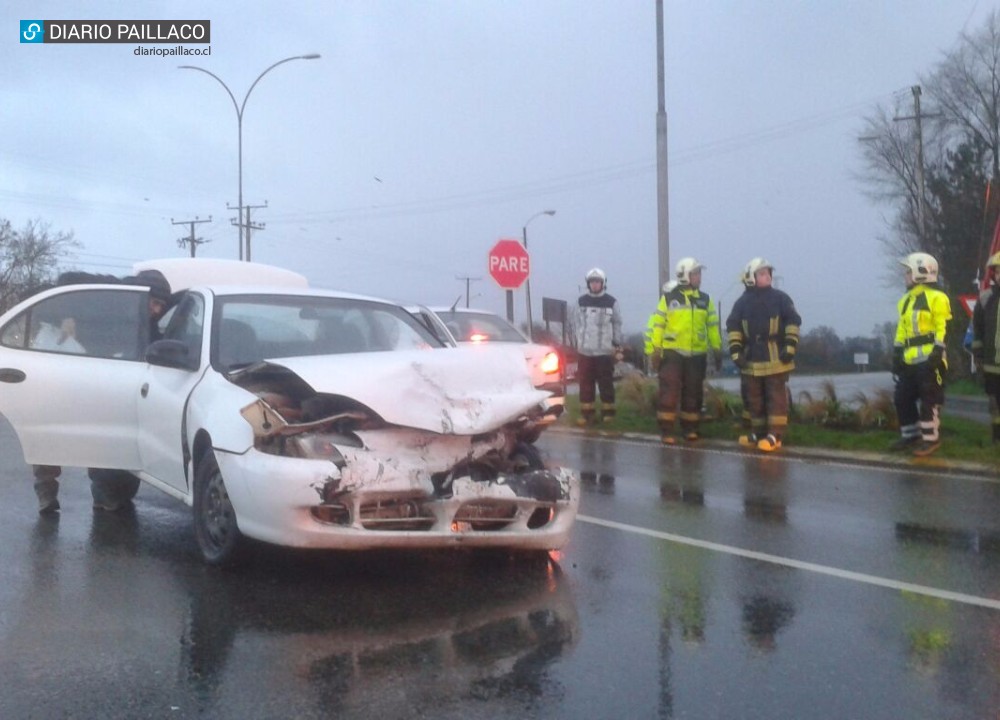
186	324
96	323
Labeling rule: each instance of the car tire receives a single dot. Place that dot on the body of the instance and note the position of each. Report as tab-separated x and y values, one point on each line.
215	527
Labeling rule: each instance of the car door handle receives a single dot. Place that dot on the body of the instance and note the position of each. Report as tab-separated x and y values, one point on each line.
144	390
12	375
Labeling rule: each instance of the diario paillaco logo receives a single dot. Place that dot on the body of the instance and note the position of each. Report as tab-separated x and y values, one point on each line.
116	31
32	31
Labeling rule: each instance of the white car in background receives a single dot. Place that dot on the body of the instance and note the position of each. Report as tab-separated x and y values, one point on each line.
481	328
285	414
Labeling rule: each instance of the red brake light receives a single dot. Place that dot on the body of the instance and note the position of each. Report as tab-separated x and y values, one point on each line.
478	337
550	363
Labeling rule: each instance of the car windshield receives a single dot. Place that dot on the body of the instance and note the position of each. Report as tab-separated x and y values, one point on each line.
480	327
252	328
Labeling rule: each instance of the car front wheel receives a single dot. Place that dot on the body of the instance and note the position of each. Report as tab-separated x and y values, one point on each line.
215	528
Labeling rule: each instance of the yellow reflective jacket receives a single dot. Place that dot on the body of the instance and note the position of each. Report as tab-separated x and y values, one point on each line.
924	312
647	337
686	322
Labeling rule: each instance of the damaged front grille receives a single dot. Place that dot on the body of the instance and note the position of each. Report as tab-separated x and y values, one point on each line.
484	515
395	514
417	515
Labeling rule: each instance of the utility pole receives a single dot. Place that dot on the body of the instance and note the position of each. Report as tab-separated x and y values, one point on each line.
191	239
246	225
662	196
250	226
467	281
238	221
921	201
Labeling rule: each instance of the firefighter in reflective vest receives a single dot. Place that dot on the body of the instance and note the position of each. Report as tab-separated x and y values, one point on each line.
763	334
650	323
918	362
685	328
986	340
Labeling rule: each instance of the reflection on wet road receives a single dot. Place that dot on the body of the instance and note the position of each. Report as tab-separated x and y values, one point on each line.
795	588
698	584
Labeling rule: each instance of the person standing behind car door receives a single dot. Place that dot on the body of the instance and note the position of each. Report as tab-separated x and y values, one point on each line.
918	361
597	332
107	488
686	327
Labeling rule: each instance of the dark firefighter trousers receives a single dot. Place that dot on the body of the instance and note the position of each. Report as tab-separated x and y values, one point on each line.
682	378
766	397
991	383
596	370
918	397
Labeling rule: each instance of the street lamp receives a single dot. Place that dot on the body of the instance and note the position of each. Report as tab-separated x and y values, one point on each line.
527	281
239	126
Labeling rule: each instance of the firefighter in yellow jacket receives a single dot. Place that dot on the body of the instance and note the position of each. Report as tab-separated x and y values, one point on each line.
647	337
685	328
919	363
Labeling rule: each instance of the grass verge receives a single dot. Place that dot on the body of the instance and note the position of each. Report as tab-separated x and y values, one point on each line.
863	425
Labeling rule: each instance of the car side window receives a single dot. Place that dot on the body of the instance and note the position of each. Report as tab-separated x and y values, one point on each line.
94	323
186	324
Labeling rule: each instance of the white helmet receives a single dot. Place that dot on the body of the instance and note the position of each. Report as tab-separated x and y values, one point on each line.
596	274
685	267
668	286
923	266
758	263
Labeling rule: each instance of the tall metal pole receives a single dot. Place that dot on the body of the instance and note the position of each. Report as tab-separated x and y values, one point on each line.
239	129
527	280
662	196
921	203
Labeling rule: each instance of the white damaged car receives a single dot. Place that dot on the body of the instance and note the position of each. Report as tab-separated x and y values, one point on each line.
289	415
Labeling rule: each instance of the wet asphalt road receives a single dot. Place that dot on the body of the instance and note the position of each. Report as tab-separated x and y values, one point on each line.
697	584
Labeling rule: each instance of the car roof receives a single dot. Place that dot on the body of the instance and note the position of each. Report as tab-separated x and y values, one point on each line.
476	311
228	290
184	273
235	277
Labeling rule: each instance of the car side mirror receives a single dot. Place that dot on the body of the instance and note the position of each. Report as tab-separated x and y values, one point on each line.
172	354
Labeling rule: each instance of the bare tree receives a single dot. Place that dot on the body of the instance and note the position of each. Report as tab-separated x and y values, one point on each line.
961	158
889	152
29	258
966	90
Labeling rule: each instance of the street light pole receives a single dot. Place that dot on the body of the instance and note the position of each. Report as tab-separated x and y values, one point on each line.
239	128
527	280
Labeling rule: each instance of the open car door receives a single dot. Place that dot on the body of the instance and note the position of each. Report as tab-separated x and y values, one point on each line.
71	366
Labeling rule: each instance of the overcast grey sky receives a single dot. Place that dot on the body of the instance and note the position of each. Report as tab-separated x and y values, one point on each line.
430	129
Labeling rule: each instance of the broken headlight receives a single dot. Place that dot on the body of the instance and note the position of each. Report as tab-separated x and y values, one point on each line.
323	446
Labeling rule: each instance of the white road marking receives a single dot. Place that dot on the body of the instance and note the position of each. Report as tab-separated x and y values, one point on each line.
800	565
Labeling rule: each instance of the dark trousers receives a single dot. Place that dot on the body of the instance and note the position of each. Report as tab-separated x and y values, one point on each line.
991	383
596	370
682	378
918	397
767	399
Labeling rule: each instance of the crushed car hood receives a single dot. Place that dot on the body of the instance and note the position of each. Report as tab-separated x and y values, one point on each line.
454	391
